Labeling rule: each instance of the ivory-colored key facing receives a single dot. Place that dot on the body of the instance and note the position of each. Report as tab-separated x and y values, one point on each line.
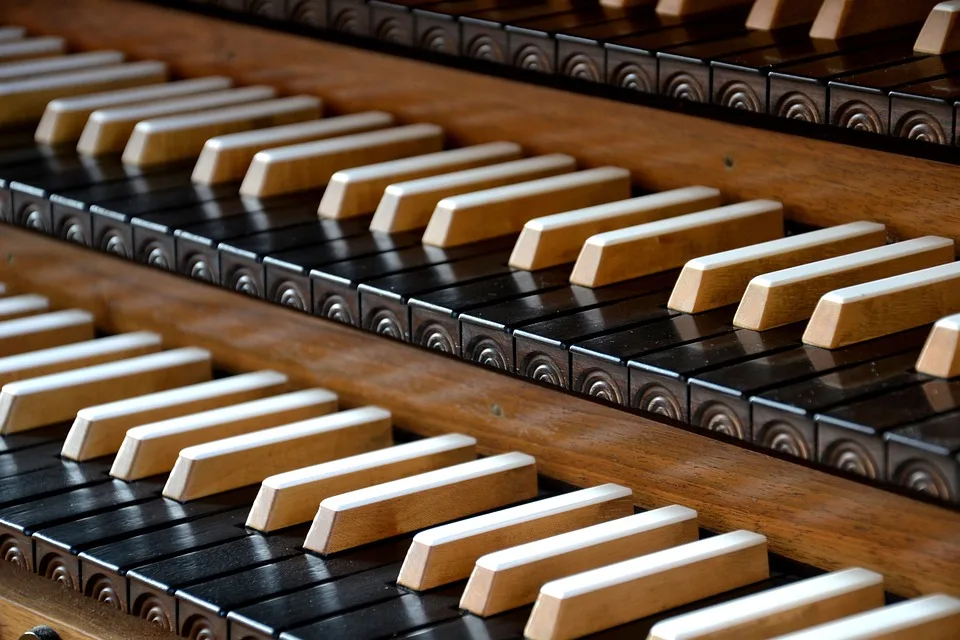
769	15
941	31
29	48
844	18
20	306
44	330
941	353
58	64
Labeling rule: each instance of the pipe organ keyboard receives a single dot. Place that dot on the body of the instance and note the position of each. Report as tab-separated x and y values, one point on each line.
155	467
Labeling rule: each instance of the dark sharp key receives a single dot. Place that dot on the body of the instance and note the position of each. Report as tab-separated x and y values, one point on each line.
53	480
783	419
241	259
861	101
33	438
850	438
925	457
483	34
532	43
103	569
720	399
349	16
392	20
18	523
20	138
658	382
506	626
926	111
599	366
436	27
387	618
32	459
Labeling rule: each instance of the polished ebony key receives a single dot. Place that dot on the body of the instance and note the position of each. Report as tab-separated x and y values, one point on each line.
506	626
32	459
925	457
436	27
52	480
532	43
33	438
392	20
926	112
483	33
349	16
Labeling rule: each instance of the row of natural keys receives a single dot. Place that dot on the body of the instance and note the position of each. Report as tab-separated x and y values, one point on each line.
583	558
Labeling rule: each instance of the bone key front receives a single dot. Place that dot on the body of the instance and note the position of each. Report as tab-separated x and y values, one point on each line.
883	307
504	210
9	33
153	448
29	304
603	598
100	430
615	256
941	32
45	330
227	158
357	191
447	553
790	295
512	577
844	18
554	240
406	206
37	402
693	7
941	353
231	463
769	15
58	64
714	281
312	164
778	611
64	119
181	137
401	506
31	48
294	497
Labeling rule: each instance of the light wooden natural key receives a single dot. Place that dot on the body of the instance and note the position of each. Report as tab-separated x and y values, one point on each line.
408	205
844	18
357	191
782	297
504	210
554	240
769	15
58	64
311	165
100	430
227	158
619	593
64	119
153	448
57	397
778	611
386	510
882	307
21	306
941	31
45	330
240	461
447	553
294	497
714	281
512	577
32	48
941	353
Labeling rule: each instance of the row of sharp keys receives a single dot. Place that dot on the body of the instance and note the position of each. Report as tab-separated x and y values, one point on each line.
523	264
239	507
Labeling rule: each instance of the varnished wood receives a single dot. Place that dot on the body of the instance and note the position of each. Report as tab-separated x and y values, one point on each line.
844	18
941	354
692	7
941	31
843	523
767	15
58	64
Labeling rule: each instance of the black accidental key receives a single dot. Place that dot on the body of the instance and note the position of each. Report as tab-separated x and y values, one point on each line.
599	366
21	138
483	35
861	101
349	16
850	438
783	419
386	618
392	20
925	457
506	626
33	438
926	111
53	480
658	382
720	399
532	44
32	459
436	27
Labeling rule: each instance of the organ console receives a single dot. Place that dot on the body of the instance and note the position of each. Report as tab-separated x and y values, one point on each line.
479	319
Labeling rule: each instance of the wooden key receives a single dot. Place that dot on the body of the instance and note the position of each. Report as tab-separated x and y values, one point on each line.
503	211
153	448
12	33
555	240
294	497
23	101
401	506
941	353
933	617
357	191
781	610
64	119
231	463
107	131
77	355
781	297
693	7
99	430
844	18
941	31
175	138
446	554
312	164
619	593
406	206
44	331
58	64
512	578
882	307
637	251
720	279
770	15
32	48
57	397
22	306
227	158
